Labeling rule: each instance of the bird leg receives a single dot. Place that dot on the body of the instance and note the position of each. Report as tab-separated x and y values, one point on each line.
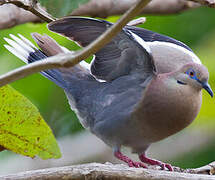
127	160
147	160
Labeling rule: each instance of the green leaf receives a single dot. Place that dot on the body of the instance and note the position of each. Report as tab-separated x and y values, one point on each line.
59	8
22	128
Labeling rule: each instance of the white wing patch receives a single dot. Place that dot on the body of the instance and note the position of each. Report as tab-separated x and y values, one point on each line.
141	42
85	65
173	47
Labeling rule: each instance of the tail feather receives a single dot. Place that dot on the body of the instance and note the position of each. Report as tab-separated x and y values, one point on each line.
28	47
76	81
28	53
13	51
16	47
29	43
36	56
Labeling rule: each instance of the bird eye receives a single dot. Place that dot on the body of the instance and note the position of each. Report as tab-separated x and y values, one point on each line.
191	73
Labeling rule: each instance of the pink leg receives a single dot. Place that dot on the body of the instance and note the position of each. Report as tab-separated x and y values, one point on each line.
147	160
126	159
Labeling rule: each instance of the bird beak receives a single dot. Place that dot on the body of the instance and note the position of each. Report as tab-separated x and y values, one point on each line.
207	87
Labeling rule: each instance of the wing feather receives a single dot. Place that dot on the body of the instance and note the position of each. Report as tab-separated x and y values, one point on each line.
123	55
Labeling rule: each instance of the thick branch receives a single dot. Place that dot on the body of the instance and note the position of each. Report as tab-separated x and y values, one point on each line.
101	8
32	6
11	16
106	171
209	3
105	8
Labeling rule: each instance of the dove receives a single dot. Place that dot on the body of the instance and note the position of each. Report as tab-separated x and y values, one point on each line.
140	88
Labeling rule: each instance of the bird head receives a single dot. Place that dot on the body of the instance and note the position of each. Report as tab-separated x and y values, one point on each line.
194	75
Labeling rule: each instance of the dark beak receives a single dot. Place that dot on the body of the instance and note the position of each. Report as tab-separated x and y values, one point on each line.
207	87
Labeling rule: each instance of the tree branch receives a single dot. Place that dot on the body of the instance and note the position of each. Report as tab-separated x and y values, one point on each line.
94	8
69	60
105	8
209	3
106	171
11	16
32	6
137	21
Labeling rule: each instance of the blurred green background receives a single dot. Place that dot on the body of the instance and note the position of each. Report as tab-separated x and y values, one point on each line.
195	28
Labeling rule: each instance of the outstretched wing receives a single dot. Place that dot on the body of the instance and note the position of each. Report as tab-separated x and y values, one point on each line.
126	53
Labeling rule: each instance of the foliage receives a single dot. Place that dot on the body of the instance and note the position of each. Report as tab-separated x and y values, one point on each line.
61	8
22	128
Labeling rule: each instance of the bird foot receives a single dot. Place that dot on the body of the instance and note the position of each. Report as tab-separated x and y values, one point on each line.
147	160
129	161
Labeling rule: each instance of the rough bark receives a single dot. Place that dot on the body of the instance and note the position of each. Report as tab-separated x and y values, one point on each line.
209	3
11	16
105	8
95	171
94	8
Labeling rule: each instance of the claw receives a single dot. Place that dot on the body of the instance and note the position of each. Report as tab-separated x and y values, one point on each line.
129	161
139	165
147	160
168	166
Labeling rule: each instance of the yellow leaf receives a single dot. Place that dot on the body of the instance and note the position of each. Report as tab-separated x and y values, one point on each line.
22	128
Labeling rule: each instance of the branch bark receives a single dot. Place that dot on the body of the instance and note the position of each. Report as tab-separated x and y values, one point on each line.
209	3
11	16
105	8
32	6
94	171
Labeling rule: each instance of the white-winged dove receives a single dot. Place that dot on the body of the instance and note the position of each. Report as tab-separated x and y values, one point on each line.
141	87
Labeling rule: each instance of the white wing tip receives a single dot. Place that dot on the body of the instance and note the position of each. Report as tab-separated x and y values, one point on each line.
141	42
84	64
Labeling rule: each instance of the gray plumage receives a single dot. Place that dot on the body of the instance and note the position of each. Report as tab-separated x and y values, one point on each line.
151	84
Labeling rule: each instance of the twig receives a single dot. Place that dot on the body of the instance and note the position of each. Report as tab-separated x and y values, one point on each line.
69	60
137	21
209	3
106	171
32	6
